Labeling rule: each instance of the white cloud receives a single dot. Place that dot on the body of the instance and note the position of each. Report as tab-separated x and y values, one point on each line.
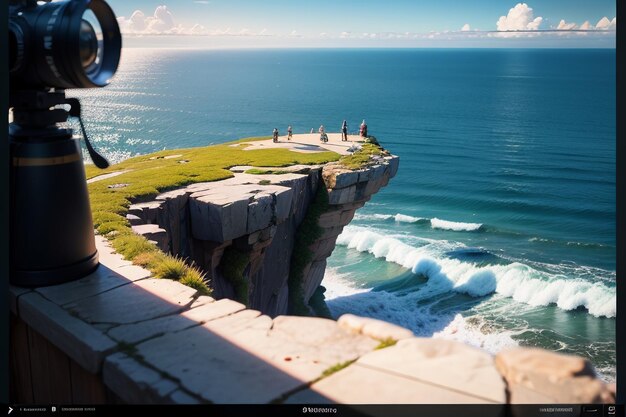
466	28
202	2
606	24
603	24
566	26
162	21
519	17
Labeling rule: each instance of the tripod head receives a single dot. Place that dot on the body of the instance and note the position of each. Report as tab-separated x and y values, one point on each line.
36	115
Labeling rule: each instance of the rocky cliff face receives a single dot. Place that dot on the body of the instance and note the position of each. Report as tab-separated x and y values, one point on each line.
263	239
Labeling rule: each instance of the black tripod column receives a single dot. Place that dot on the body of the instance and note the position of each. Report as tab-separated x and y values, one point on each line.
51	236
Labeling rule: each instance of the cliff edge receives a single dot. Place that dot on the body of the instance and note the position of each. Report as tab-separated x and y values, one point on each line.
263	236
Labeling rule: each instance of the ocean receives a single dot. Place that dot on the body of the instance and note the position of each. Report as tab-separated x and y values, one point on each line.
499	228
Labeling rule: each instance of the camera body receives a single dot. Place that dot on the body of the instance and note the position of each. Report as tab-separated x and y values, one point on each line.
62	44
53	46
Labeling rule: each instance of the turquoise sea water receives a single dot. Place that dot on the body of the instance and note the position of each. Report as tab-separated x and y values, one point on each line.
499	228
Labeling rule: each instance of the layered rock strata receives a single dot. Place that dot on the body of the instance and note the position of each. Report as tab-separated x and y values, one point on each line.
257	218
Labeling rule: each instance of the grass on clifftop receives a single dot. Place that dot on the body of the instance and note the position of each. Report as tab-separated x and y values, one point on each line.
143	177
363	156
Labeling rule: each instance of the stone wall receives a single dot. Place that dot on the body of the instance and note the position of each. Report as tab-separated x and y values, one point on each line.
259	216
120	335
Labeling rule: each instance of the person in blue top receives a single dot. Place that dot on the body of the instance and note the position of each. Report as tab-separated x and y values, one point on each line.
289	132
275	135
344	131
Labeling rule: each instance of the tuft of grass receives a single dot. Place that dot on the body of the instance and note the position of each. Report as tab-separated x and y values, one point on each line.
385	343
336	368
195	279
130	245
265	182
149	175
170	268
149	260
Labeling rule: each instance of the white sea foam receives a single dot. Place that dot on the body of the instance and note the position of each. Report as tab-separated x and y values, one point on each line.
343	297
403	218
516	280
477	335
436	223
359	216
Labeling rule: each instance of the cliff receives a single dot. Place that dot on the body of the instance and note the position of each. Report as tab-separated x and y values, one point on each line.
263	238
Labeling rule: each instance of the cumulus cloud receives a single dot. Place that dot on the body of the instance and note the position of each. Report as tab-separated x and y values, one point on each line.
160	22
466	28
603	24
563	25
519	17
606	24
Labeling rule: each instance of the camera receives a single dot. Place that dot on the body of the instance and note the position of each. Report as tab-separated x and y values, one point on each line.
53	46
62	44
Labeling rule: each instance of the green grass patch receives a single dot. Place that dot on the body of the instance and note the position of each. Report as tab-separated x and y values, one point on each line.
259	171
233	264
149	175
308	232
363	156
336	368
385	343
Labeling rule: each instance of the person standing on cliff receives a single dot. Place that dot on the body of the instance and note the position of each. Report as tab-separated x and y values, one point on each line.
289	132
322	132
363	129
275	135
344	131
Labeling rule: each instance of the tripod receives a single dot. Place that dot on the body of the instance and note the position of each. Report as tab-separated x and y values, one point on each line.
51	228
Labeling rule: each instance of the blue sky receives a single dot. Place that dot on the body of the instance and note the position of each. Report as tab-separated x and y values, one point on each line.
380	22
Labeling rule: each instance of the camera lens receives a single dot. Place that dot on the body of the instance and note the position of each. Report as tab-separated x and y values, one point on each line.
64	44
88	45
91	44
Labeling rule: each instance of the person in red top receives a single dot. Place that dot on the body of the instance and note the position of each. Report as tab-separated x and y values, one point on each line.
363	129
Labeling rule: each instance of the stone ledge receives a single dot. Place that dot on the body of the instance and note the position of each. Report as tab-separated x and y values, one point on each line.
203	350
83	343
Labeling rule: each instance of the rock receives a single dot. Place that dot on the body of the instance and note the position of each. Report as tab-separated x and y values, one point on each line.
134	220
540	376
216	368
377	329
142	300
134	382
443	363
147	212
200	220
83	343
260	212
341	195
136	332
218	222
101	280
153	233
360	385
